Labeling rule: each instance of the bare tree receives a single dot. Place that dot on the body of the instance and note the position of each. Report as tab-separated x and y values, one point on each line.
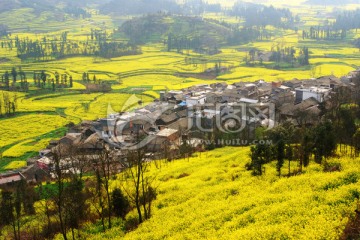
138	184
60	180
104	167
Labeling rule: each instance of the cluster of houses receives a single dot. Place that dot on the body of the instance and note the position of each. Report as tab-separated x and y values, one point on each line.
170	120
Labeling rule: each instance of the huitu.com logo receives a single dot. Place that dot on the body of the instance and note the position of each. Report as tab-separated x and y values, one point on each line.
136	127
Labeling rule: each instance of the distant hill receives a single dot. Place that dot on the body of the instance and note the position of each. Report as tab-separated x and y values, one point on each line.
155	28
125	7
331	2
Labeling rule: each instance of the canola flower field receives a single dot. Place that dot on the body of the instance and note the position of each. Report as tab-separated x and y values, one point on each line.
212	196
154	70
42	119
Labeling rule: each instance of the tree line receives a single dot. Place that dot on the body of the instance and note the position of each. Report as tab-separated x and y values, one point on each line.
347	20
287	55
9	79
325	33
235	37
279	54
247	34
56	48
182	43
262	16
304	138
77	12
294	144
18	80
41	79
334	132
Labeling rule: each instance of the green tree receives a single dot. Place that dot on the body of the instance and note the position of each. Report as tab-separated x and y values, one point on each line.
43	77
75	206
6	207
7	80
120	204
324	141
260	154
356	140
84	77
57	77
280	152
14	74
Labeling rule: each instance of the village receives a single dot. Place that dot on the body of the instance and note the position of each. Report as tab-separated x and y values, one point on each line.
189	117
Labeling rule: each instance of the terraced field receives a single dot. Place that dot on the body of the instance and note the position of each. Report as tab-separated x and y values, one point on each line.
41	119
152	71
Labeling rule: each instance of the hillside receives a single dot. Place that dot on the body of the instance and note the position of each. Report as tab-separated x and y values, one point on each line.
212	196
155	28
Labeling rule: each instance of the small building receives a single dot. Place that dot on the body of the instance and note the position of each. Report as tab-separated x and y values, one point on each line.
319	94
213	97
305	112
165	140
70	139
248	101
199	100
295	83
167	119
282	98
8	180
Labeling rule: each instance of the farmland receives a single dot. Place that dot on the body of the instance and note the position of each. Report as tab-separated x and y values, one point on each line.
154	70
209	194
212	196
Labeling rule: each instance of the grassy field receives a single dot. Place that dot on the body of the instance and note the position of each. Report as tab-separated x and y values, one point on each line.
212	196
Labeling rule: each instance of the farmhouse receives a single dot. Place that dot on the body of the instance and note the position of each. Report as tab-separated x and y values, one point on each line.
319	93
9	179
199	100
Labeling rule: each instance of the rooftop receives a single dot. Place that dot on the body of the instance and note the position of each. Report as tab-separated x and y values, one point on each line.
313	89
166	132
9	179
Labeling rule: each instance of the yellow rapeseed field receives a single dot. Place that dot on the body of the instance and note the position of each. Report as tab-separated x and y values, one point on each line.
212	196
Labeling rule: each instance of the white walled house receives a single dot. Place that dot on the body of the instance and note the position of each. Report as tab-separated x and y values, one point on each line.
319	94
192	101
